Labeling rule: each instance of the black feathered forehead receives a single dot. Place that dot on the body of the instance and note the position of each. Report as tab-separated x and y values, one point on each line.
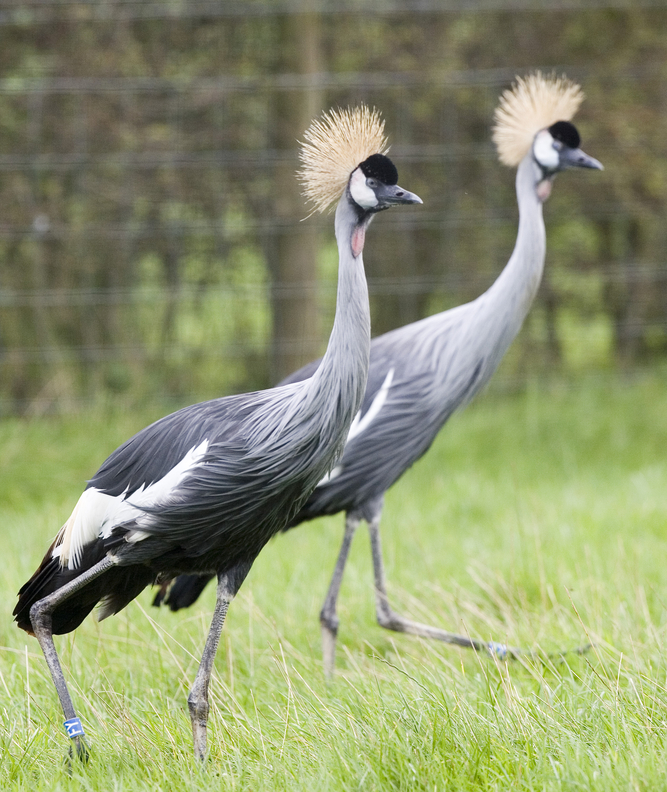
379	167
566	133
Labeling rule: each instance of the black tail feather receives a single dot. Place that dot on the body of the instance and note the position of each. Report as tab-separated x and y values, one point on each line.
181	592
117	587
50	577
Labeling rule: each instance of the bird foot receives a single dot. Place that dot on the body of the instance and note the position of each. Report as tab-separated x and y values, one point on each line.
391	620
78	751
329	636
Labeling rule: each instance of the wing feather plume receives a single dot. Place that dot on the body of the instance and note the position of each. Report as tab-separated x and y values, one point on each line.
333	147
533	103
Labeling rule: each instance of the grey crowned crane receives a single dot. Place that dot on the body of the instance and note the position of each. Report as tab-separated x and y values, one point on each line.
421	373
204	489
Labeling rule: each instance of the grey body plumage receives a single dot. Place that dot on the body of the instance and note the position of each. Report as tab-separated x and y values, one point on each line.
419	376
204	489
438	365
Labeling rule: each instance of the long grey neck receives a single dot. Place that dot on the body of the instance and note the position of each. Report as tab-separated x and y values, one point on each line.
505	305
340	380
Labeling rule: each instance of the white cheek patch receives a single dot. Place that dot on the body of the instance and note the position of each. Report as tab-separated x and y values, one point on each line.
361	193
544	151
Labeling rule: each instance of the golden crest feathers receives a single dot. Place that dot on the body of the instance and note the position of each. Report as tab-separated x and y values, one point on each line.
533	103
334	146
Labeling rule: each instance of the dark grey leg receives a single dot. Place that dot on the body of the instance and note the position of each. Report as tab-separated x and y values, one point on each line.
391	620
328	616
198	698
41	617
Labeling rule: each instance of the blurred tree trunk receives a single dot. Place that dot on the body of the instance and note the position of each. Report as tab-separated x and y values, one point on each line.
551	305
293	253
626	290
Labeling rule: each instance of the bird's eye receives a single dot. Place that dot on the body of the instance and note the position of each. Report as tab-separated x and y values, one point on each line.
371	183
557	144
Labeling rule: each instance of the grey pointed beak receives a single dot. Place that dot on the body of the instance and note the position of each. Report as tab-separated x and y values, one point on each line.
576	158
389	195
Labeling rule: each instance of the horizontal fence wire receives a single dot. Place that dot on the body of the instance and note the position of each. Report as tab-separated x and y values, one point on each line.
21	12
142	235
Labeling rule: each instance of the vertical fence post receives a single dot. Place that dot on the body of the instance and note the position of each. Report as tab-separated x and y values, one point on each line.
293	257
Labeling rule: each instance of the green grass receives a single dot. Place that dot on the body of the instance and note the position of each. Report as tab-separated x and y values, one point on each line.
539	519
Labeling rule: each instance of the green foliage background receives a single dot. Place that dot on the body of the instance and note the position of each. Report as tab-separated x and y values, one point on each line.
139	152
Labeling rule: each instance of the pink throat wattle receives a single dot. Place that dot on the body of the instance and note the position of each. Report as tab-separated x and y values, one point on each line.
544	189
358	238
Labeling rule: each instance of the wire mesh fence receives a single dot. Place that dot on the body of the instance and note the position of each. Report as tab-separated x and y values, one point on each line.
150	214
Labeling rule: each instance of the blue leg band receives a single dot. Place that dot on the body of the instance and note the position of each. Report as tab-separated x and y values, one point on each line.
73	728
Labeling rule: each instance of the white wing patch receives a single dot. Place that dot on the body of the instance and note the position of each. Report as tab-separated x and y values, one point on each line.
96	514
360	425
